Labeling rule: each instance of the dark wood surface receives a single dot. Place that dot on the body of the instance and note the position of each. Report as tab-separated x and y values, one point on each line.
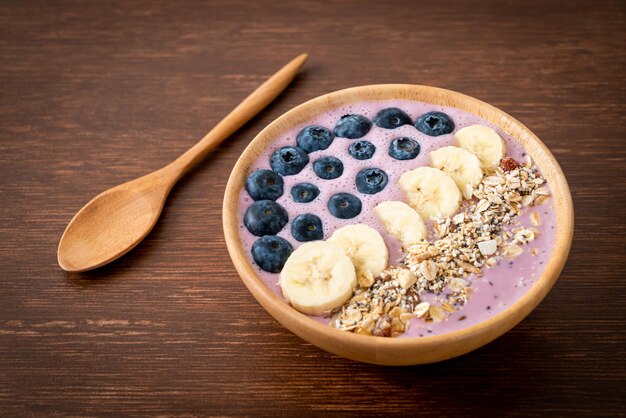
94	94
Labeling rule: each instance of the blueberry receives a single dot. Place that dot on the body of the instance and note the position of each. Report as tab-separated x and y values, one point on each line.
265	217
434	124
264	184
352	126
371	180
362	150
404	148
271	252
328	168
304	192
307	227
344	205
287	161
314	138
391	118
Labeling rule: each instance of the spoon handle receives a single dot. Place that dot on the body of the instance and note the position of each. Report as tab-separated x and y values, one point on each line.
245	111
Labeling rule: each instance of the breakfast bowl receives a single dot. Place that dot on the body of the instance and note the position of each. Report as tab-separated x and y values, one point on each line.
413	308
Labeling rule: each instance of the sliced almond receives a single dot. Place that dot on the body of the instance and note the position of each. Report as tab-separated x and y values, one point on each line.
534	218
482	206
513	250
406	278
441	229
488	247
540	200
527	200
397	326
459	218
365	279
524	236
447	307
429	270
437	313
395	312
421	310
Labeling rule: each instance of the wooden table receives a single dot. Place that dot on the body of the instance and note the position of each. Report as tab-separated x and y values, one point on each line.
96	94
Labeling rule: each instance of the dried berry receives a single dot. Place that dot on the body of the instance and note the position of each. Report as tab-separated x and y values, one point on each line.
508	164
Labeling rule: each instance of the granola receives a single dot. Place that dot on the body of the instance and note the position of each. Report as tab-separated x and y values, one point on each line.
477	237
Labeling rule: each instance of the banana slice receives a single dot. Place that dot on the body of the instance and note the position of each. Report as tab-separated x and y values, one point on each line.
317	278
461	165
431	192
402	221
365	247
484	142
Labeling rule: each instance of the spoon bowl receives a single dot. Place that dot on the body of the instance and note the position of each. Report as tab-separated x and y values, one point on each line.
113	223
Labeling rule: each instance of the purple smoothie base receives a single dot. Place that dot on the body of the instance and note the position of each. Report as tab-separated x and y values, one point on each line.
498	288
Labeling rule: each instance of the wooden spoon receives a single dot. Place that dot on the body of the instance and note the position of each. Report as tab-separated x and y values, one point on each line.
113	222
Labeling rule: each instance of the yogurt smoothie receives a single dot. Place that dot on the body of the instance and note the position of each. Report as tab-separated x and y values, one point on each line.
493	290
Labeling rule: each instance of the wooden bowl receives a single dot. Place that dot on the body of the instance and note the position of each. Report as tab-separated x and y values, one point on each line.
400	351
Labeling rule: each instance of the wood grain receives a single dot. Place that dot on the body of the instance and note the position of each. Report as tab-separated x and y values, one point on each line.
97	94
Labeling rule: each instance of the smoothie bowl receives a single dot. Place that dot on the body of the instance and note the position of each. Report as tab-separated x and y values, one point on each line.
398	224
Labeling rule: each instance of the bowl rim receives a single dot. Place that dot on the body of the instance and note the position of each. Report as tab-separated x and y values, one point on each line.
349	344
